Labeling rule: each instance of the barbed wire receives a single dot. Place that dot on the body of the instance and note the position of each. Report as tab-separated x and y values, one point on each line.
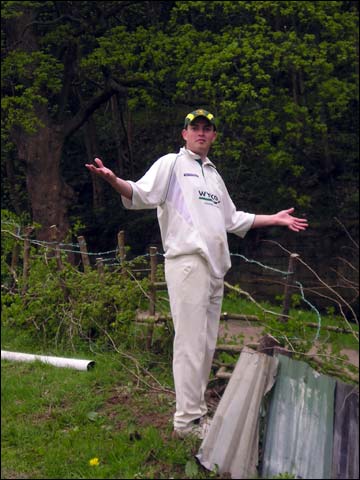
54	245
313	308
266	267
301	288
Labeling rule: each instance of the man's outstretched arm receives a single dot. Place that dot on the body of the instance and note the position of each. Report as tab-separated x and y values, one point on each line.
281	219
120	185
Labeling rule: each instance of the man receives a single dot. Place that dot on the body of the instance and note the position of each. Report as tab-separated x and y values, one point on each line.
195	212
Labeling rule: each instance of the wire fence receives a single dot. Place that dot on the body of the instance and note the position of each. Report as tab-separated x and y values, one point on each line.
117	257
117	261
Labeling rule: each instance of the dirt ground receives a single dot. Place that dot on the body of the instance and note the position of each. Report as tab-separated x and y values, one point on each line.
250	334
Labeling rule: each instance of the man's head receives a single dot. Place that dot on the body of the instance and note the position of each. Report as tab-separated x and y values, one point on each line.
199	113
199	131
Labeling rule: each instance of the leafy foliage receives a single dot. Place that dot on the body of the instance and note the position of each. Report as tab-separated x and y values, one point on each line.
280	77
19	69
70	307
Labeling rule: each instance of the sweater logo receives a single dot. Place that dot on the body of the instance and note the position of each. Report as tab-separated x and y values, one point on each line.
210	198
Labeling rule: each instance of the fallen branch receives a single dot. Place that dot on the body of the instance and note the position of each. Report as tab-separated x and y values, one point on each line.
223	373
138	367
242	292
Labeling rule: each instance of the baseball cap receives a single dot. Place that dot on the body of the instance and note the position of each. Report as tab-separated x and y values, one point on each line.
190	117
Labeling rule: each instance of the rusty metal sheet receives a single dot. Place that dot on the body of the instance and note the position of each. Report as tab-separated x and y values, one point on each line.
299	426
346	432
231	445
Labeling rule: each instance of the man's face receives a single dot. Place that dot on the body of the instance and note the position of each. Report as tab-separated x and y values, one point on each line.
199	136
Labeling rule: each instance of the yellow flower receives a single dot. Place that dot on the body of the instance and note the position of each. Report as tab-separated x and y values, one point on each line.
94	462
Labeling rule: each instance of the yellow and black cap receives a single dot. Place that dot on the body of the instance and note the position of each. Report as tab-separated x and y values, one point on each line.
190	117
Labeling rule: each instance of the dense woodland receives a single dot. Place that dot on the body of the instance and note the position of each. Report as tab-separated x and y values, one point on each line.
115	79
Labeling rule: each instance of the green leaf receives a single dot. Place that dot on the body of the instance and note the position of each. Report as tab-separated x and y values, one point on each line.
191	469
93	416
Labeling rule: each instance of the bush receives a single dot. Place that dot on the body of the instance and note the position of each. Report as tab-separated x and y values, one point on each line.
69	306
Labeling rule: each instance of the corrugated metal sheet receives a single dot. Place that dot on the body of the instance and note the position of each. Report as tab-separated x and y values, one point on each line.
231	444
346	432
299	430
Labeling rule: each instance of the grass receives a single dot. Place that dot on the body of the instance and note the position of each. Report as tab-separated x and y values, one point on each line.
55	421
299	316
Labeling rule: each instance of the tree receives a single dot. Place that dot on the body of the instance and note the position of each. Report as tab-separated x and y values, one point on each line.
281	76
47	96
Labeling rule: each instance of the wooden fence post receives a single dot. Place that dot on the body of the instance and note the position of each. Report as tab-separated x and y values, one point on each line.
152	306
290	282
15	258
100	267
121	244
122	252
84	253
26	265
54	235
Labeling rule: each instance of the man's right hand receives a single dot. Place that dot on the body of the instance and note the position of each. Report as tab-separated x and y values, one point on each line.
102	171
121	186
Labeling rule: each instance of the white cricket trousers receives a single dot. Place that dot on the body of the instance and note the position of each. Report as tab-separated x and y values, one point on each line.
195	302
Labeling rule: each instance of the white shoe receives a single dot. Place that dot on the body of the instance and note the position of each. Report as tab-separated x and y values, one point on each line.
197	428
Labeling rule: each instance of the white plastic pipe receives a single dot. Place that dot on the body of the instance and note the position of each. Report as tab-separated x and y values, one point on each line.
57	361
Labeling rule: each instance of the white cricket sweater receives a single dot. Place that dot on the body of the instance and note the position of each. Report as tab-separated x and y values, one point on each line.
194	208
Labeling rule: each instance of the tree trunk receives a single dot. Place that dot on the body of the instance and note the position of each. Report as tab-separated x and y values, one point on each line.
41	152
92	151
117	135
124	160
49	196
